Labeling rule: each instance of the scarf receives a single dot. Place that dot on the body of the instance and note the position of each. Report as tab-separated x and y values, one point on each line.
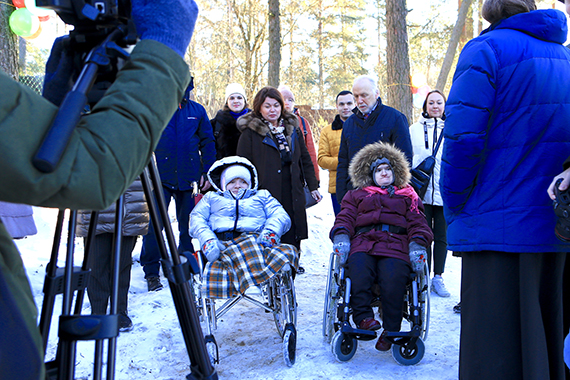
282	143
406	191
236	115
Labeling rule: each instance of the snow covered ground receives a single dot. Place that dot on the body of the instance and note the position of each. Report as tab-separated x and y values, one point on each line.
250	347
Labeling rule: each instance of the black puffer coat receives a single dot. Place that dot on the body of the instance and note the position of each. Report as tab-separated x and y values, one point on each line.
257	145
135	215
226	133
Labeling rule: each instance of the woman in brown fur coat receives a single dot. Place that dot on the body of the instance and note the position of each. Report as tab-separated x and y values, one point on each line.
271	140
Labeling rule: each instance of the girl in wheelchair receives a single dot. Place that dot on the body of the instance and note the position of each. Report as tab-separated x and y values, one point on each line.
379	234
239	229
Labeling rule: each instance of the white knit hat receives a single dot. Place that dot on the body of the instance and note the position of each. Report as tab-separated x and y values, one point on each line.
235	88
233	172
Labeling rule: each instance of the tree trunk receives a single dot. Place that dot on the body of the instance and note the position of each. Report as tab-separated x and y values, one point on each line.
453	42
397	59
467	33
8	43
22	55
320	55
274	43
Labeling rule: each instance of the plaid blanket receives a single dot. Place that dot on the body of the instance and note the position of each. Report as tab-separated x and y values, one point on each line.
245	263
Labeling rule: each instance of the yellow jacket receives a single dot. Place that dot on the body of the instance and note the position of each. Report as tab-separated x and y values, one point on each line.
329	145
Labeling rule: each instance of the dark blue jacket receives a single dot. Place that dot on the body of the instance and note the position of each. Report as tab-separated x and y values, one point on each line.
384	124
506	135
186	149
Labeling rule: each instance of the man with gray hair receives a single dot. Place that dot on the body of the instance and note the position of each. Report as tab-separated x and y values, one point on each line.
372	121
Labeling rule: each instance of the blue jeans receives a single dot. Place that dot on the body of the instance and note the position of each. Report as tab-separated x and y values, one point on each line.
335	204
150	253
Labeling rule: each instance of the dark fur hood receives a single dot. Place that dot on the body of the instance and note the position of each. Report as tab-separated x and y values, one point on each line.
359	168
255	123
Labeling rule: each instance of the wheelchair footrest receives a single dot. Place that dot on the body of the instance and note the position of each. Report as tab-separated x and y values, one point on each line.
359	334
403	338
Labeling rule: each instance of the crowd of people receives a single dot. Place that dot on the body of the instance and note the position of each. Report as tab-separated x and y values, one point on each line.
499	141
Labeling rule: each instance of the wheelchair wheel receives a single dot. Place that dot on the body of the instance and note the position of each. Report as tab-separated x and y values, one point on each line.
284	301
331	300
289	344
343	346
407	354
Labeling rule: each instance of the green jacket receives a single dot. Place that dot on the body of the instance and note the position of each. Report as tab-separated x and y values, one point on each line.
107	151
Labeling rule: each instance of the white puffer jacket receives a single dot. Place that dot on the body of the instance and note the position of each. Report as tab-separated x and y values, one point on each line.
417	134
220	211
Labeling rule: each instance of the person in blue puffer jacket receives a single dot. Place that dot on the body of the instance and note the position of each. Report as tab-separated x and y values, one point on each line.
239	228
184	154
506	134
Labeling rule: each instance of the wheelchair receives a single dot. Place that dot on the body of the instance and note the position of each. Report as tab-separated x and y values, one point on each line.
277	298
407	346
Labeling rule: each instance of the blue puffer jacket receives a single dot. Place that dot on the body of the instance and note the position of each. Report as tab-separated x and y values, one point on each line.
186	149
506	136
220	211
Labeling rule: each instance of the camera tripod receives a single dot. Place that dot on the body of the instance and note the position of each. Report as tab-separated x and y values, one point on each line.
68	281
74	327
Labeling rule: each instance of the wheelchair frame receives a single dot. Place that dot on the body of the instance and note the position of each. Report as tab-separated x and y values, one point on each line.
279	299
408	346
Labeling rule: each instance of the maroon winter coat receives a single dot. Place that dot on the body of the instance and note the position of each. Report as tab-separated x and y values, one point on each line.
361	208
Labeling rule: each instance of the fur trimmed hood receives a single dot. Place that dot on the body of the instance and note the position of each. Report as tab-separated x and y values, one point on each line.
215	172
255	123
359	168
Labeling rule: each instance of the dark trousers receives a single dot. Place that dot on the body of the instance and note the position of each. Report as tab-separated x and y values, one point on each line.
511	316
436	221
392	276
336	205
99	289
150	253
566	302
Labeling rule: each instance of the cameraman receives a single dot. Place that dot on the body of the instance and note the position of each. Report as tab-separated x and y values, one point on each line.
106	152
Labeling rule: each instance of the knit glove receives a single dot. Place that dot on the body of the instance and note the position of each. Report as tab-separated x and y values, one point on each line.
341	246
168	21
211	249
59	71
417	256
268	238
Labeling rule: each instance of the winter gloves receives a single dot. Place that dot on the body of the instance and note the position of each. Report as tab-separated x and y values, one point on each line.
268	238
212	249
341	246
417	256
168	21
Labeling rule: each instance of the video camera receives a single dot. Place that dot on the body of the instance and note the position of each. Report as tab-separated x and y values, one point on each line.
93	20
94	51
90	12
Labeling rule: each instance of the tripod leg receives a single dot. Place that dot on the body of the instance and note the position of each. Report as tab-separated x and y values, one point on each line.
86	253
67	349
116	260
49	291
